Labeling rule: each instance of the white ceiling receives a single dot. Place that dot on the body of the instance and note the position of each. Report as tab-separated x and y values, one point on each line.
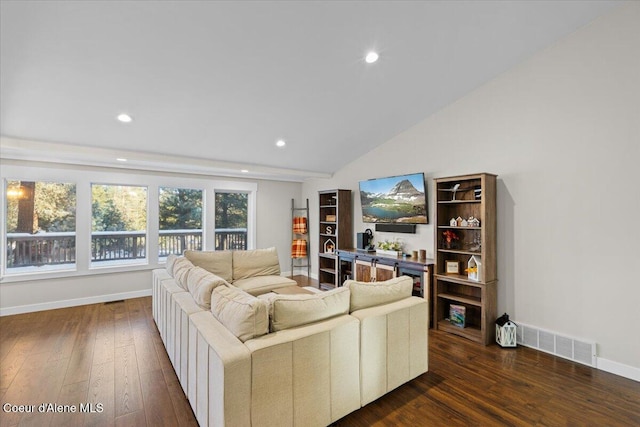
212	85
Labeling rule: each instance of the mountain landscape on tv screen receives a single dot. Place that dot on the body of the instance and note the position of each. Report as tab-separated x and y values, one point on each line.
403	203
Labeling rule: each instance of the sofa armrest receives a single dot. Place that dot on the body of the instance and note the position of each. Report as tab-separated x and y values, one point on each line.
219	373
393	345
307	375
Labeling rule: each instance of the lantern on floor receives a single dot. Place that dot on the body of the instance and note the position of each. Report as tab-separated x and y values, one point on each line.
506	331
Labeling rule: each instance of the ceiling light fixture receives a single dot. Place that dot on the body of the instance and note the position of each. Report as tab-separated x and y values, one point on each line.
280	143
124	118
371	57
244	171
121	159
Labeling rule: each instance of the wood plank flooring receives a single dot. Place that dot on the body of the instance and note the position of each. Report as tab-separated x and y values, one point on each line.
111	356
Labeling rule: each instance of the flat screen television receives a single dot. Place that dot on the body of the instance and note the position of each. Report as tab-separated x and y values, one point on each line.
396	199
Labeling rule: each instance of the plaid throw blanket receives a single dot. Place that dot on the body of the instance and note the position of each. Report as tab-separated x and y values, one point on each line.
299	248
300	225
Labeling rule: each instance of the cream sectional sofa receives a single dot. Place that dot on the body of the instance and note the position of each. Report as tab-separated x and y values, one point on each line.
301	360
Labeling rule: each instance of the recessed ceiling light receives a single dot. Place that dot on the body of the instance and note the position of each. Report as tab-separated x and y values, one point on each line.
125	118
244	171
280	143
371	57
121	159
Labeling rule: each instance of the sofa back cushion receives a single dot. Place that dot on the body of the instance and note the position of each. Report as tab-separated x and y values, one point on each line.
243	314
289	311
201	283
369	294
256	262
181	269
216	262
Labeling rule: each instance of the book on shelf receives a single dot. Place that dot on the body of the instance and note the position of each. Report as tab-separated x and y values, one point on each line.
457	315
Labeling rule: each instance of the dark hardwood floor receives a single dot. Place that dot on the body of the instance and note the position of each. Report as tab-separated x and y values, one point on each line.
111	354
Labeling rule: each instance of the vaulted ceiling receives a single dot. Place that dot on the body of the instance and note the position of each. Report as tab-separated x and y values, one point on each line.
212	86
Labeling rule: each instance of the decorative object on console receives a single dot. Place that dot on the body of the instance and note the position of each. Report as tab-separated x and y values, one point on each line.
398	200
390	248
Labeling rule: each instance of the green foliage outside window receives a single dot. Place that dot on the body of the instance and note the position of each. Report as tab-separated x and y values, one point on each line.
231	210
180	209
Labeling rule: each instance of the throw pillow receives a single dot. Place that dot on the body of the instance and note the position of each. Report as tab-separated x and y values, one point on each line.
370	294
289	311
171	260
201	283
242	314
216	262
181	269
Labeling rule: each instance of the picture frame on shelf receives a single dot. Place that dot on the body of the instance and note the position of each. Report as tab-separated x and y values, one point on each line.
452	267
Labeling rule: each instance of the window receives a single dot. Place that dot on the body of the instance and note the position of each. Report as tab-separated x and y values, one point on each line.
231	220
118	224
41	226
180	220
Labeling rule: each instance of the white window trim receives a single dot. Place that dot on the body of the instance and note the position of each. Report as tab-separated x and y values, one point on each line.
83	178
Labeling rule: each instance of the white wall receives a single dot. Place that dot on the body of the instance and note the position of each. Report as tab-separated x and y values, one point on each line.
273	228
562	132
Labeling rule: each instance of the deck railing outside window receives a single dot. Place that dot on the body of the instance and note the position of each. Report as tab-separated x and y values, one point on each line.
34	250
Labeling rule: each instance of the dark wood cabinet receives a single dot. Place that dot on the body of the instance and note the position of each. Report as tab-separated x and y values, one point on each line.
335	232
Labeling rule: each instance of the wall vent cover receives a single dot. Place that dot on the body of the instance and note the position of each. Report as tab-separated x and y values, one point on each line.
580	351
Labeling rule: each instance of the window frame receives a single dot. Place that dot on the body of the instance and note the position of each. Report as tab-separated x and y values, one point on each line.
83	177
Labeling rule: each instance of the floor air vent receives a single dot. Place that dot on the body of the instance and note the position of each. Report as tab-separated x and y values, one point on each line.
550	342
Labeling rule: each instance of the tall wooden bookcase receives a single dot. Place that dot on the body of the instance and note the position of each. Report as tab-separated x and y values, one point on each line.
458	199
335	232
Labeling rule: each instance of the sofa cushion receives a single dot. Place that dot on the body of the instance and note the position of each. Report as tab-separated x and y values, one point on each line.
201	283
216	262
181	268
369	294
170	262
244	315
262	284
289	311
256	262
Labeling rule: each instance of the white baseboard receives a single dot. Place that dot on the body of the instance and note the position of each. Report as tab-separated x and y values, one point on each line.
619	369
7	311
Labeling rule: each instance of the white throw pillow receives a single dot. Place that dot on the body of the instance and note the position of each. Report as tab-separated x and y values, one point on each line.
289	311
370	294
181	269
171	260
242	314
201	283
216	262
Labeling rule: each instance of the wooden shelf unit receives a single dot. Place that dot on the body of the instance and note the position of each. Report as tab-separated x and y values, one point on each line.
336	225
475	196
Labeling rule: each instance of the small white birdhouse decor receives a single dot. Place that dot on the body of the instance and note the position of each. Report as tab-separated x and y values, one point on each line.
453	222
474	268
329	246
506	331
